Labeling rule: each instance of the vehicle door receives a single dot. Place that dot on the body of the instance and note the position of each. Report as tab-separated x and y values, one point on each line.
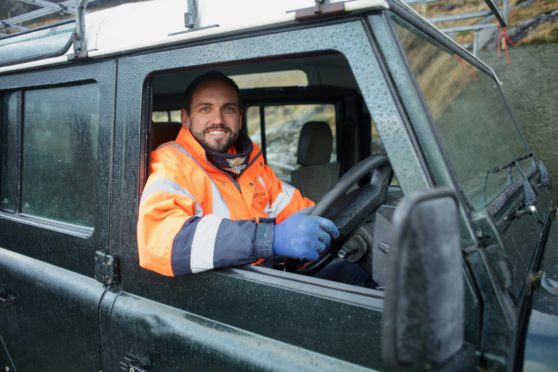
55	150
503	189
250	317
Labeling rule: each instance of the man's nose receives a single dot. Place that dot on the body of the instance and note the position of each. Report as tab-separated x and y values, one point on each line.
218	117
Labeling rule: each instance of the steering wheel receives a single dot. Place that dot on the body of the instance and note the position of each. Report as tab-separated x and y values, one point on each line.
349	211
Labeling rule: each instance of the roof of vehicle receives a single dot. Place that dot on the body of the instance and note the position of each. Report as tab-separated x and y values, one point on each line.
146	24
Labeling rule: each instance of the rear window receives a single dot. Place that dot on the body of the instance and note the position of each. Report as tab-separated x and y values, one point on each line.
283	124
57	130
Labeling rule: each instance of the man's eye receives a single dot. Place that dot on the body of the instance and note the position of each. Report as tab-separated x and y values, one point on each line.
204	109
230	109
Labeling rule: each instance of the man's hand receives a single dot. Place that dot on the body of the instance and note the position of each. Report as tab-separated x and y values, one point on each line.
303	237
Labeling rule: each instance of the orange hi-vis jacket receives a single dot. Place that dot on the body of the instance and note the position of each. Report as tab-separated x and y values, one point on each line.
194	217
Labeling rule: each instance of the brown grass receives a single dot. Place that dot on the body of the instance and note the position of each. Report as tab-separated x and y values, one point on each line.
545	33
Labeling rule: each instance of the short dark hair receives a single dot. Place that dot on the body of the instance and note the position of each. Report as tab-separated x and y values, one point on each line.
210	76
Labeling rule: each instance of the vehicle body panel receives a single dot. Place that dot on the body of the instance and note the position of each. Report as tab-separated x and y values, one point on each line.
258	317
49	310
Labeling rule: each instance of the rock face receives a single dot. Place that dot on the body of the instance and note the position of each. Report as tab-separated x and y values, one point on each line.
531	86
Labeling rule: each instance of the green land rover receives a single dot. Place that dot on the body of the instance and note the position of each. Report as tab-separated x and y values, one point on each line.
433	188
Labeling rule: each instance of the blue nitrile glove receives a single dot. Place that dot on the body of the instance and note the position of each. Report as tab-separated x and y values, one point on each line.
302	236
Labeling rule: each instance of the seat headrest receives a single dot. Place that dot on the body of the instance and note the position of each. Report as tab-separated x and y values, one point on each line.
315	143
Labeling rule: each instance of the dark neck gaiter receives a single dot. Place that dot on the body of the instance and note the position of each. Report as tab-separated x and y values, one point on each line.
232	163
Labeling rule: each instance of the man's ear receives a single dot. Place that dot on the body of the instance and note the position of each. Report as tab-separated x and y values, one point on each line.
185	118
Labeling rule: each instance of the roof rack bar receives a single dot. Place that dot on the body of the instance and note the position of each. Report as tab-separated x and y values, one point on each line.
7	24
469	28
460	17
58	7
15	22
191	20
78	37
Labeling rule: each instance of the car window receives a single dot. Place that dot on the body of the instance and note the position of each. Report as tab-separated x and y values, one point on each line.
283	124
8	147
59	153
470	116
165	116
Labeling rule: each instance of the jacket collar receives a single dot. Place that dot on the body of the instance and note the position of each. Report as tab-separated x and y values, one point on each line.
187	140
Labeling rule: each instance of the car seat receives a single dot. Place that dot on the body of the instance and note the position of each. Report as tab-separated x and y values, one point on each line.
316	175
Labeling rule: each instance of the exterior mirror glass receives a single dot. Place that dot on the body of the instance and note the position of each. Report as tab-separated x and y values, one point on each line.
424	296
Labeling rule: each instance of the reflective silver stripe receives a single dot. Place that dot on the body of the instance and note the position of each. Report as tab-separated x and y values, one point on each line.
267	208
282	200
164	144
219	205
262	182
166	185
203	244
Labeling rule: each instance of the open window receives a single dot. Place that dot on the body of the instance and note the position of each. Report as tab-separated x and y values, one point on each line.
307	114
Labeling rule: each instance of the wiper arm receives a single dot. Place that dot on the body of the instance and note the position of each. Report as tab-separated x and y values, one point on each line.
510	164
530	198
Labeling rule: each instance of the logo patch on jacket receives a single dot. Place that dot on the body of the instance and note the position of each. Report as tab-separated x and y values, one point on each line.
236	165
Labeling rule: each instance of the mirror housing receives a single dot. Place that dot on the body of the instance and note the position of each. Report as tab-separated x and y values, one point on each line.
423	319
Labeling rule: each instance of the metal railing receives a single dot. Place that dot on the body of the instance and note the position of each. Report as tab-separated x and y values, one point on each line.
497	10
45	8
15	25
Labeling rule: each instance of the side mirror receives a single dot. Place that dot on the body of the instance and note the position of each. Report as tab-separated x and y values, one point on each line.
424	296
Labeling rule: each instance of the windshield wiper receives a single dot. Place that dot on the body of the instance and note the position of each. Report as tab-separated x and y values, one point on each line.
511	163
530	198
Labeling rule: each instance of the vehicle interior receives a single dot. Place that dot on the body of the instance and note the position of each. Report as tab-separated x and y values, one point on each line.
308	116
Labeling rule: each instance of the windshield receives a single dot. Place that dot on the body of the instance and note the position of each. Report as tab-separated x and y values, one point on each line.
470	117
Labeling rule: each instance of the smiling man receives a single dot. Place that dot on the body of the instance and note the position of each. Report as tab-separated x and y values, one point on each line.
211	201
213	115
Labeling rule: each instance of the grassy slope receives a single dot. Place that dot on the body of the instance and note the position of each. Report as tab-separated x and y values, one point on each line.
529	82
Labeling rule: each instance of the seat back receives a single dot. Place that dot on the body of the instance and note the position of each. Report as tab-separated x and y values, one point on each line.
163	132
316	175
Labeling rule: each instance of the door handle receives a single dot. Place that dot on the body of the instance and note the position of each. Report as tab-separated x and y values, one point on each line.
7	296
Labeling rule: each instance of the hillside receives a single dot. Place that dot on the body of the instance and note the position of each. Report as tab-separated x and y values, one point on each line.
529	21
529	76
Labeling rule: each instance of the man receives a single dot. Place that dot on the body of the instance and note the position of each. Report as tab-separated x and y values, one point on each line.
211	201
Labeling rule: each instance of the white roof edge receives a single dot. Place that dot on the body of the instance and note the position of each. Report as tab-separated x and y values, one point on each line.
446	36
149	23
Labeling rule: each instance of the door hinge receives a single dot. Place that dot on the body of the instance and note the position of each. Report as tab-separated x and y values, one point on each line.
533	282
107	268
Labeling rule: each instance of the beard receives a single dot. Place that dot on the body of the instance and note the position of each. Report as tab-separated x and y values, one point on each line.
219	144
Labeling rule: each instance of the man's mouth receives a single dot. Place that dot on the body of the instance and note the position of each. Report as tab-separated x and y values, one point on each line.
217	131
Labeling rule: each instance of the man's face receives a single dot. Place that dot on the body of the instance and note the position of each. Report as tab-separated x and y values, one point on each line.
215	117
